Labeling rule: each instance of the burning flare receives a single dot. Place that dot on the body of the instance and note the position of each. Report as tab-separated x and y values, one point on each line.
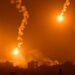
60	18
16	52
22	9
67	3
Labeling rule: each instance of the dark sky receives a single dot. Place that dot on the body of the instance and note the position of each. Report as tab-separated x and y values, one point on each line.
55	40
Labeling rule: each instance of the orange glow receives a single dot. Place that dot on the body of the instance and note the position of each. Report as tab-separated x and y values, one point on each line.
16	51
60	18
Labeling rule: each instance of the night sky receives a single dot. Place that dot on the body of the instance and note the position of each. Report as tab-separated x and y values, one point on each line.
44	33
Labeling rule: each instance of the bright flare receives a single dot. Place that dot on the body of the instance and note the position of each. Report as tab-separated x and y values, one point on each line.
16	51
66	4
60	18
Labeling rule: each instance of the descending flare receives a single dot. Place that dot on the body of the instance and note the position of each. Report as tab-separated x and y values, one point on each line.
22	9
67	3
60	18
16	51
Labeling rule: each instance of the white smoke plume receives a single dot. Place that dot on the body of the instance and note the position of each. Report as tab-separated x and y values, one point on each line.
22	9
67	3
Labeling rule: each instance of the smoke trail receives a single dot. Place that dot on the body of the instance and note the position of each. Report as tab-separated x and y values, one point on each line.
35	55
67	3
22	9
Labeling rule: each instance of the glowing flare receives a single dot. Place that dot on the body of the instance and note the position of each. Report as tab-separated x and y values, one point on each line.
60	18
16	51
25	15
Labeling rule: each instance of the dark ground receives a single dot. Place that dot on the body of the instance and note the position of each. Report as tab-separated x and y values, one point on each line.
65	69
